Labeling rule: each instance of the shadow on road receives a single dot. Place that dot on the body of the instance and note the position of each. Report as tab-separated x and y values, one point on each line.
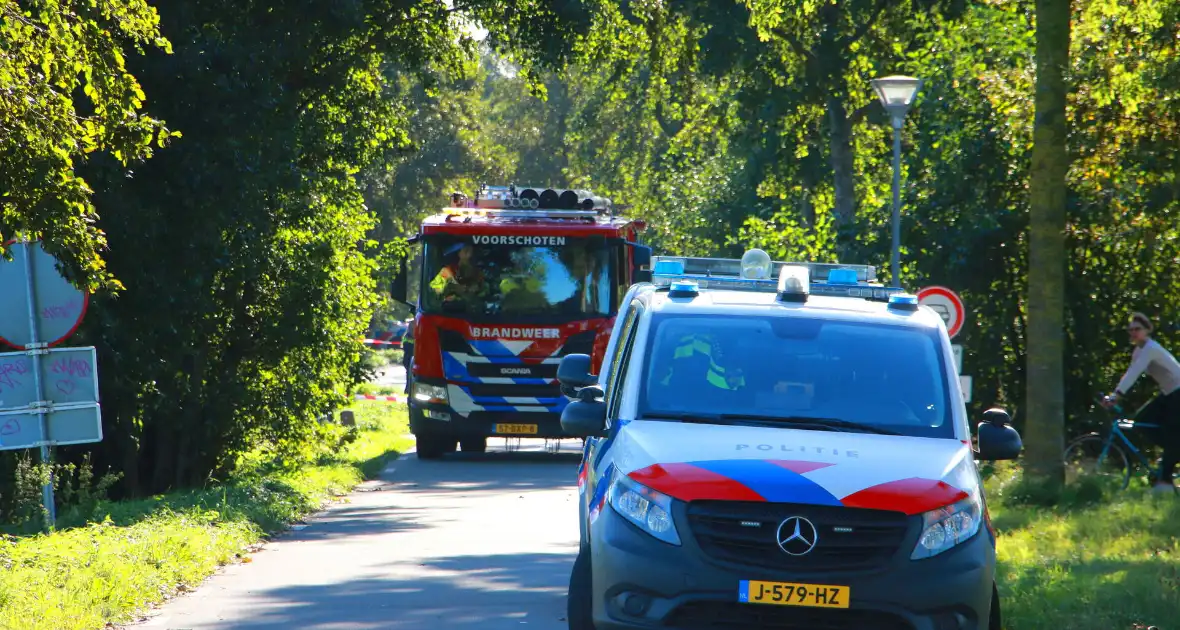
356	521
489	592
494	471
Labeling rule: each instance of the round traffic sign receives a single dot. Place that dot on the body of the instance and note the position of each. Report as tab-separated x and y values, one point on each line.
947	304
60	305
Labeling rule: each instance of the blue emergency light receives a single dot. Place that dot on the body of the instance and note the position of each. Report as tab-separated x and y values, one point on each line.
751	274
842	276
903	302
683	288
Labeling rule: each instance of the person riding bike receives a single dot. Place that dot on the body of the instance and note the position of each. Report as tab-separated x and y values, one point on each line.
1163	410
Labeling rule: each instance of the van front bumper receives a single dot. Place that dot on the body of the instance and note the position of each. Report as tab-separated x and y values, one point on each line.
641	582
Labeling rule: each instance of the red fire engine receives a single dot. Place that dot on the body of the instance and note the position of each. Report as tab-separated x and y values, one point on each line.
504	286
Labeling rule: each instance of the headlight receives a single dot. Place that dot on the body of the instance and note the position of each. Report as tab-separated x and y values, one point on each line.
649	510
948	526
430	393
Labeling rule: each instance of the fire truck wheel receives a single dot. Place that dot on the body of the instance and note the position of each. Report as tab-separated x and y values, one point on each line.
474	445
434	445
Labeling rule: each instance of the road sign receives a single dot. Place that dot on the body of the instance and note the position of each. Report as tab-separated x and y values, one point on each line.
65	425
947	304
965	384
60	306
47	397
68	375
957	350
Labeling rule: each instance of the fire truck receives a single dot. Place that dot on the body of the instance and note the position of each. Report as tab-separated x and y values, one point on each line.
503	286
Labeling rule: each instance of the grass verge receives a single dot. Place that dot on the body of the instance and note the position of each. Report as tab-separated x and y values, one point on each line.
1100	560
138	553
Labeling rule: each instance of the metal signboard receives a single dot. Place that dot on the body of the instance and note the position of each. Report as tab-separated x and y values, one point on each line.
957	350
58	306
47	397
69	375
948	305
65	425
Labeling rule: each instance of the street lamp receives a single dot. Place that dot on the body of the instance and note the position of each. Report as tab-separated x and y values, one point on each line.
897	95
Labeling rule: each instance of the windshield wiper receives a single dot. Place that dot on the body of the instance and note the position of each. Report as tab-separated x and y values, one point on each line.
768	421
831	423
694	418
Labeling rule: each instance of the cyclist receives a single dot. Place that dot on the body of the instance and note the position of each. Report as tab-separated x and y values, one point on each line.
1163	410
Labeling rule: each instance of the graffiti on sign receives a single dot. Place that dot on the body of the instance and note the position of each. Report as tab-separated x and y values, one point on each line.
12	372
69	310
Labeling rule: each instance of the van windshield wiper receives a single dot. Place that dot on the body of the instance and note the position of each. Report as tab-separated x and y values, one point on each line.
768	421
695	418
831	423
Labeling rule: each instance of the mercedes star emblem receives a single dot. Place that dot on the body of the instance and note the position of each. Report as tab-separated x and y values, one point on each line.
797	536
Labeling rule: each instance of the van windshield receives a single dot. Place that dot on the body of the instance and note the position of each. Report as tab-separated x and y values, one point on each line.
516	277
886	376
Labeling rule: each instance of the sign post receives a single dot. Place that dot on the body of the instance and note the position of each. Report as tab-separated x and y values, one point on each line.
950	307
47	397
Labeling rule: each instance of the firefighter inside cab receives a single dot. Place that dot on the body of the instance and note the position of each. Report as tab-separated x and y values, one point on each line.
460	279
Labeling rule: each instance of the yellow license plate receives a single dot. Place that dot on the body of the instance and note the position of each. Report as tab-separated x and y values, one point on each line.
529	429
791	594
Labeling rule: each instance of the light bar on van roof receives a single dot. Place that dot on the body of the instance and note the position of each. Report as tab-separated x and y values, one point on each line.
732	267
725	273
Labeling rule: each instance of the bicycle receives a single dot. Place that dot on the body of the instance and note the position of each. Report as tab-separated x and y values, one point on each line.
1103	456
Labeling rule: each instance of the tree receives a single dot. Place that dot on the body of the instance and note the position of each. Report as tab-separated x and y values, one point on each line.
1046	246
66	95
245	248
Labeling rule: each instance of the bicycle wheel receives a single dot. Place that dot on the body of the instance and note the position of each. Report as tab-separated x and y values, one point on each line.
1081	458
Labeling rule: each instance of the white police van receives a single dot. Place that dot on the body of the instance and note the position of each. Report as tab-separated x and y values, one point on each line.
790	454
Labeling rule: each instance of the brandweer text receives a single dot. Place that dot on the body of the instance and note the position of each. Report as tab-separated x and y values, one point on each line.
491	332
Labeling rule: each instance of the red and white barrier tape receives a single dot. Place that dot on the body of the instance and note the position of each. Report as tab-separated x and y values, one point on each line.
382	342
384	398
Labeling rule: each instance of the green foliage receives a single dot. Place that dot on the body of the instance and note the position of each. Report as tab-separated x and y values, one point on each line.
1097	560
135	554
67	94
250	260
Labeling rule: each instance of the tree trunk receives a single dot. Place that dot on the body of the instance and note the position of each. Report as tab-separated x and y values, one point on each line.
1044	425
843	162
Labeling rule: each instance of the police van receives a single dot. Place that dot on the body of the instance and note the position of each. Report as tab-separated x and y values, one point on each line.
779	445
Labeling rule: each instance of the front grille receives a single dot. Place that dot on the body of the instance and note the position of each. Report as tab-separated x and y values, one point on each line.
478	390
848	538
512	370
722	615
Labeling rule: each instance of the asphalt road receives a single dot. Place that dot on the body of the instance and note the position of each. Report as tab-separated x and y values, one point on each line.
391	376
465	542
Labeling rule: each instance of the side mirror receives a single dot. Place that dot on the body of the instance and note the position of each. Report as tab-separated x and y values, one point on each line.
574	372
641	258
400	286
583	417
997	439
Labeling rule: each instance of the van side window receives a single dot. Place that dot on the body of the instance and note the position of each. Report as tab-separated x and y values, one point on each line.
621	355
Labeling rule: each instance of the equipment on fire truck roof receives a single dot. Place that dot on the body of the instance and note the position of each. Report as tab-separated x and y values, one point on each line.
530	202
756	272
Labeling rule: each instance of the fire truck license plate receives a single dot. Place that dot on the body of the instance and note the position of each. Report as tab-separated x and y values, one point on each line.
529	429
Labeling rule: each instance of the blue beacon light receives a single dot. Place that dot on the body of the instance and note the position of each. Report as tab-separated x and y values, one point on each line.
683	288
903	301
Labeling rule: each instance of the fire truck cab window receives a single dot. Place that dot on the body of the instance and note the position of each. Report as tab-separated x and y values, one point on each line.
517	276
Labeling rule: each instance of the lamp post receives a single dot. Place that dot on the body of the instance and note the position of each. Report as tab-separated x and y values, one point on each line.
897	95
